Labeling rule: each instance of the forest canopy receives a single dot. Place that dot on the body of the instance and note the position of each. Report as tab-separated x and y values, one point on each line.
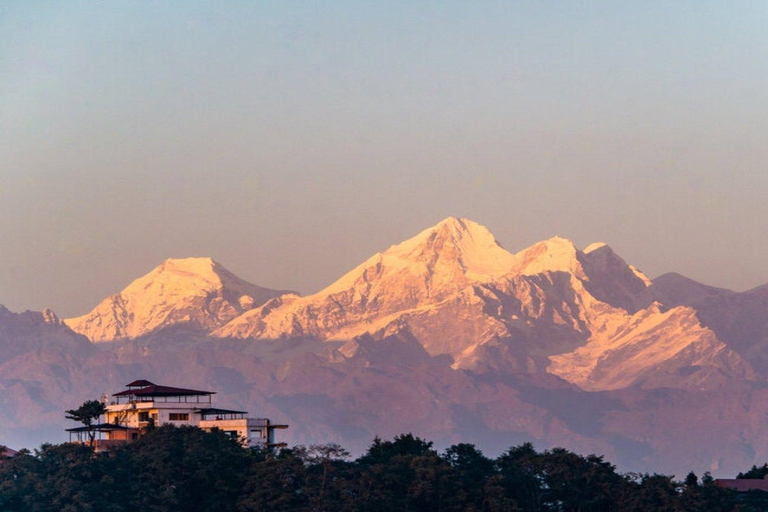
185	468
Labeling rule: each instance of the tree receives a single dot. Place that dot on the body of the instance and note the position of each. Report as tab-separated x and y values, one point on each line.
402	474
275	484
659	493
755	472
519	480
473	470
577	483
326	474
88	412
404	444
186	468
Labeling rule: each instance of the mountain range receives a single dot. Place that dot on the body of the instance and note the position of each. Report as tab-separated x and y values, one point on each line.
447	335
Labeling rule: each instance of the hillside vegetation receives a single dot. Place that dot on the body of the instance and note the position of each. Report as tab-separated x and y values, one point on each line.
173	469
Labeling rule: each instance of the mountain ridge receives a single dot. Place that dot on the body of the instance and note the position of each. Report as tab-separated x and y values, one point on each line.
455	290
446	334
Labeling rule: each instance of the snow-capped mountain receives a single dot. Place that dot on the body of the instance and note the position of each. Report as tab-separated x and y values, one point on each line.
408	277
194	293
456	291
655	348
446	334
585	316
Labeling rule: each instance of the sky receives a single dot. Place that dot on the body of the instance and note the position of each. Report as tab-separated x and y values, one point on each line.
292	140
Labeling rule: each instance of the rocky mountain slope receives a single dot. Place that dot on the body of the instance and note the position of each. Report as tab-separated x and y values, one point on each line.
21	333
586	316
738	319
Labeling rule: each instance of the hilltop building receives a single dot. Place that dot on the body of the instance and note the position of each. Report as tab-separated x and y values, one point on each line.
144	405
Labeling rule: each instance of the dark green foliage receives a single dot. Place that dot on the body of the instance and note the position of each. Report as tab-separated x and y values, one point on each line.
402	474
755	472
403	445
63	477
275	484
186	468
472	470
652	492
329	477
519	478
173	469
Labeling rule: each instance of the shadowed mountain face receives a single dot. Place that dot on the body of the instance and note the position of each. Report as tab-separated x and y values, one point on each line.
738	319
447	335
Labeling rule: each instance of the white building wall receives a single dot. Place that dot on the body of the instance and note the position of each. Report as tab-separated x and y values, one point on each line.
251	431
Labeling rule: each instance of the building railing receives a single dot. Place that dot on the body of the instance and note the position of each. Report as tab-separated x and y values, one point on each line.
183	399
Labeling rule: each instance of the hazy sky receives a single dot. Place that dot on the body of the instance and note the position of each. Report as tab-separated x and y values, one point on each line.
292	140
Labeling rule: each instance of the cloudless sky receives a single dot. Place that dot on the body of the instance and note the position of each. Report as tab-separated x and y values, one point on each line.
292	140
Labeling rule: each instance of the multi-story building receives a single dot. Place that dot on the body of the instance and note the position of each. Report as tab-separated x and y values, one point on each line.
144	405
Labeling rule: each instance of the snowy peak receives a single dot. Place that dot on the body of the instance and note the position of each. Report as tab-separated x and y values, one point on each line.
602	259
179	277
460	241
200	276
420	272
454	253
596	246
194	292
604	274
612	280
174	279
554	255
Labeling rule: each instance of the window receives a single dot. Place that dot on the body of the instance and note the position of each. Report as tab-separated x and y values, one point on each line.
231	433
256	433
178	416
143	416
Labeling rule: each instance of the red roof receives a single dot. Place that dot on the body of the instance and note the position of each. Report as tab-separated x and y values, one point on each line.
156	390
7	452
139	384
743	484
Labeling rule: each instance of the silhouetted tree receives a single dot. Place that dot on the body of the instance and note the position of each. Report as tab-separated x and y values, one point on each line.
87	413
472	471
520	478
403	474
576	483
754	472
405	444
275	484
327	475
188	469
185	468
